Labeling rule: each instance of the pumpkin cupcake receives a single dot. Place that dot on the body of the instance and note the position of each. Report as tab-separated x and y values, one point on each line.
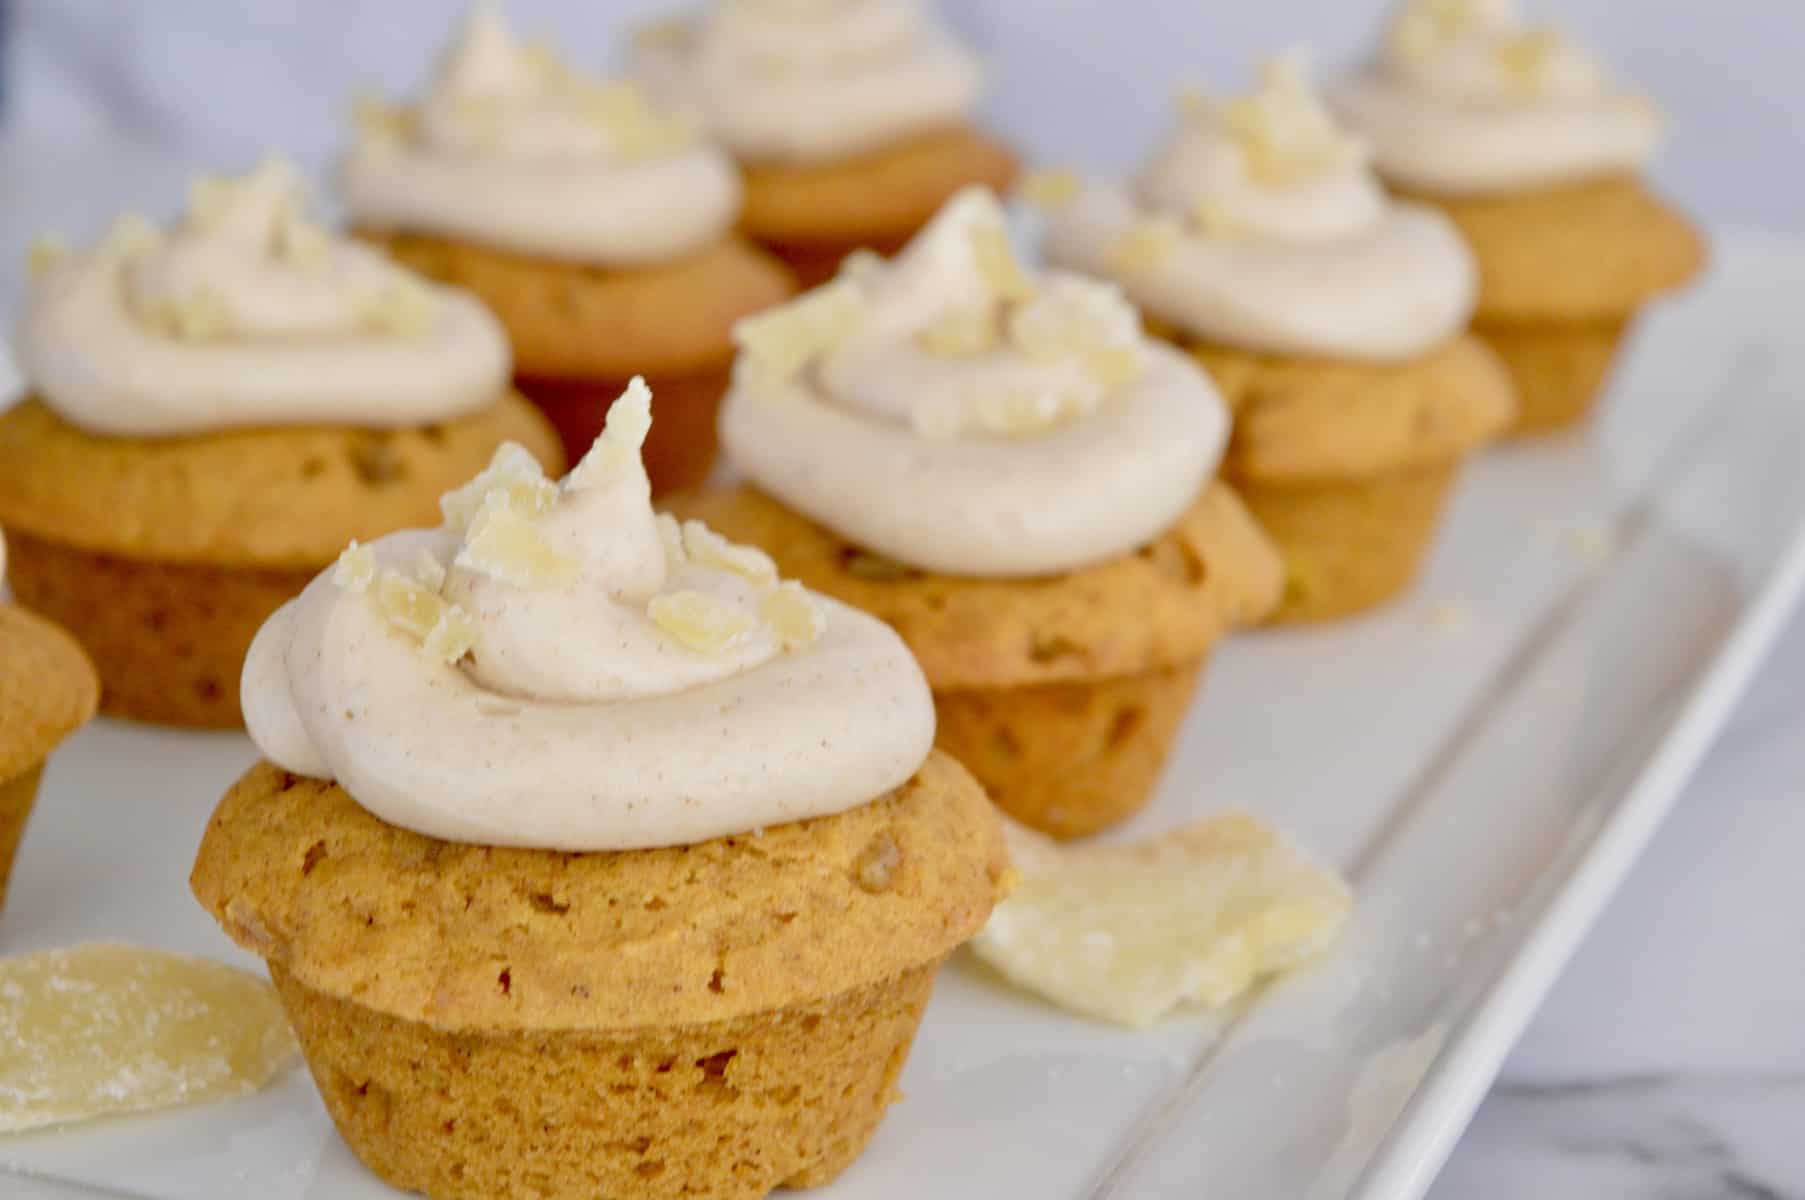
47	691
1331	318
852	120
212	412
598	228
1003	468
592	859
1520	136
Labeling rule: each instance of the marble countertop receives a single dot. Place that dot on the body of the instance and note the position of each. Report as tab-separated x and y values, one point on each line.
1668	1063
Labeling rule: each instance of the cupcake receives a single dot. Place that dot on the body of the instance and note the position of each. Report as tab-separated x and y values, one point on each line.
1004	468
598	228
213	410
1522	138
590	858
1330	317
852	121
47	690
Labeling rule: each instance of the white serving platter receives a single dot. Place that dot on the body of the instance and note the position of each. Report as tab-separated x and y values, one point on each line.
1485	760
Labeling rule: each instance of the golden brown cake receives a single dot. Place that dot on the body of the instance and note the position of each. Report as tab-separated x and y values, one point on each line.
163	556
648	861
1019	483
47	690
580	332
1347	465
1330	316
1521	136
853	123
1062	695
484	1022
1563	273
813	215
597	226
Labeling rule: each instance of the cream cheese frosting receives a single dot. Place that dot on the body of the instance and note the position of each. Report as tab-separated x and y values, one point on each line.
1260	225
952	412
1463	98
244	314
556	667
802	81
511	147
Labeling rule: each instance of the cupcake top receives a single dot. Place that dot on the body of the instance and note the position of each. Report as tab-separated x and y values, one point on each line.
247	314
953	412
511	147
557	668
1463	98
804	81
1260	225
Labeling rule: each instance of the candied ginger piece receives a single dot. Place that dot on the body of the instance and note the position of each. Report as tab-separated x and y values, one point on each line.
504	544
1051	190
961	333
1019	412
1212	219
779	342
356	568
1424	25
797	617
1284	130
409	607
702	622
1526	57
1113	366
514	472
402	308
131	236
302	243
1074	316
997	262
103	1029
703	545
44	253
1128	933
429	570
451	636
1145	244
379	121
622	440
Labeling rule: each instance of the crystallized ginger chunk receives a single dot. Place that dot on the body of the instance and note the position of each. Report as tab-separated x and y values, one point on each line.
356	568
780	342
1145	244
699	621
104	1029
622	439
515	472
1051	190
704	546
1128	933
504	544
997	262
796	616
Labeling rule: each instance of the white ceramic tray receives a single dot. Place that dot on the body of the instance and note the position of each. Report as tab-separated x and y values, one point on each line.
1485	760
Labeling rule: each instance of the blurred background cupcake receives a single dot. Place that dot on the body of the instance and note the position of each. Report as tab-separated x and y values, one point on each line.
853	121
212	410
597	225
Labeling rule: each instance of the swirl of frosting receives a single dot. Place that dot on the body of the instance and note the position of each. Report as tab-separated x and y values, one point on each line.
811	80
954	413
556	667
247	314
1464	99
1259	224
513	148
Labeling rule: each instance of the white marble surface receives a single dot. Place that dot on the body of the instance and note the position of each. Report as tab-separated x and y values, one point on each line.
1670	1061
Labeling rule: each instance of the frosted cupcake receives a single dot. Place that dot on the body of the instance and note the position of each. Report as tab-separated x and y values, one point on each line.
591	858
1331	317
47	691
852	119
214	410
596	226
1006	470
1520	136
